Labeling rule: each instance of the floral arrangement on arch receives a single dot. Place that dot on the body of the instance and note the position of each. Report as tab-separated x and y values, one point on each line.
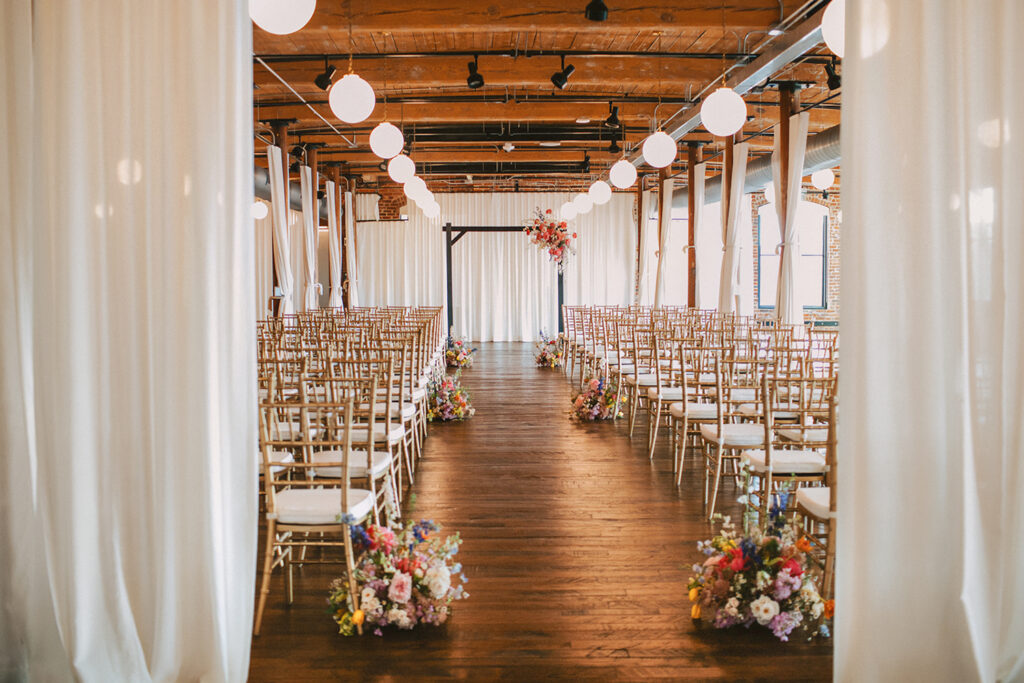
551	236
550	352
458	354
401	579
599	400
448	400
761	578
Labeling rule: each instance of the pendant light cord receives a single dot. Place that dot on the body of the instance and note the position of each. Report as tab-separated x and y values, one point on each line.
350	43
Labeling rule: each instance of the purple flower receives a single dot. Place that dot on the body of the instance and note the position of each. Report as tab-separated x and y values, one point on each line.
785	584
783	624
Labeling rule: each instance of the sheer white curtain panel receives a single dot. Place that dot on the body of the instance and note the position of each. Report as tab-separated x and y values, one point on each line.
128	352
333	244
930	576
350	250
729	290
664	237
264	231
789	306
310	223
647	275
698	190
282	229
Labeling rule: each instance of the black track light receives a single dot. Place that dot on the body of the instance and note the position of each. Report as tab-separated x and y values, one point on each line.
834	80
596	11
560	79
474	80
586	164
299	151
323	81
294	168
614	147
320	194
613	119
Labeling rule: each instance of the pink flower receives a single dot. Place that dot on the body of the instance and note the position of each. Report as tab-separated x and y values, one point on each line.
401	588
594	384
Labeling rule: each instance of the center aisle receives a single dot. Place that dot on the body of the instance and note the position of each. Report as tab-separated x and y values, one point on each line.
577	549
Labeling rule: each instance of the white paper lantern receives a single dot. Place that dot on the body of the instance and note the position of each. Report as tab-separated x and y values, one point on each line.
583	203
352	99
414	187
724	112
600	192
823	179
769	193
659	149
281	16
386	140
622	174
432	210
568	211
401	168
259	210
833	26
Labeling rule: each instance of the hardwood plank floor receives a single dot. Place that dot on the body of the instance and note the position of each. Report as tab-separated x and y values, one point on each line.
576	546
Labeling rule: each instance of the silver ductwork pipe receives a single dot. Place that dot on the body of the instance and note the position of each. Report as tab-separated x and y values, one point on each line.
822	152
261	178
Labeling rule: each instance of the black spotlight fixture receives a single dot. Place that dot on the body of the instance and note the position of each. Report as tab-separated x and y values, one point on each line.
596	10
474	80
613	119
323	81
299	151
560	79
834	79
294	168
586	163
614	147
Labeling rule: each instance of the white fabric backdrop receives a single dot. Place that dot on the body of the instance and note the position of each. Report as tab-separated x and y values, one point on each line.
729	292
283	252
504	288
310	224
264	231
699	173
930	580
128	354
333	245
351	249
648	212
665	238
789	305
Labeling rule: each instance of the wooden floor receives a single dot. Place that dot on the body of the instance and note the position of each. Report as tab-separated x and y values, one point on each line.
576	546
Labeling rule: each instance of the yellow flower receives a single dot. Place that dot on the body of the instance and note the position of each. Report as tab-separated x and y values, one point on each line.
694	594
695	612
357	617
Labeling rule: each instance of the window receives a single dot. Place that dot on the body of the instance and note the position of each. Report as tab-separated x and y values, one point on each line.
812	231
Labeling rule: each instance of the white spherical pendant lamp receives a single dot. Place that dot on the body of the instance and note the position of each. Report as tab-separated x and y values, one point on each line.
386	140
281	16
583	203
833	29
724	112
823	179
414	187
600	192
432	209
659	149
259	210
622	174
568	211
352	99
401	168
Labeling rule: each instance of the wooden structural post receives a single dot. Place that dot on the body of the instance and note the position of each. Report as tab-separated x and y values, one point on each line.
694	154
789	103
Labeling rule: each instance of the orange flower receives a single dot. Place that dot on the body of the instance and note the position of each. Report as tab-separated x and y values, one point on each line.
357	617
695	612
830	608
804	544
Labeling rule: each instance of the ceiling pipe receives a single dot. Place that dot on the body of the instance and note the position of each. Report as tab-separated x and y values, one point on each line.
823	151
261	178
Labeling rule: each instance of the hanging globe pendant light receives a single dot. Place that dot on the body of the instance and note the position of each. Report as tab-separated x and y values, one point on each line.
823	179
281	17
600	192
352	99
833	27
659	149
386	140
401	168
568	211
583	203
723	112
622	174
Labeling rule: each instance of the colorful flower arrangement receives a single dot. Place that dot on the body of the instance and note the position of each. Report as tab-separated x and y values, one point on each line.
448	400
458	354
551	236
401	579
550	352
598	401
761	578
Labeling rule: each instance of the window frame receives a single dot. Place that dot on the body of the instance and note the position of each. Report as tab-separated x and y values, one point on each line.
824	264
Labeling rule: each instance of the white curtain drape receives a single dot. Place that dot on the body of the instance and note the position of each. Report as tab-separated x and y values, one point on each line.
931	459
351	249
789	307
664	238
282	229
647	277
334	245
127	356
699	173
505	289
310	221
729	290
264	231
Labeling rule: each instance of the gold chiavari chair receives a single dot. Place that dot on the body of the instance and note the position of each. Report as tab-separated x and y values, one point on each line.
816	507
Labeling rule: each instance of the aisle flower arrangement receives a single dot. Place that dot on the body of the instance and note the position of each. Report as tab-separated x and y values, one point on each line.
458	354
448	400
550	352
551	236
598	401
760	578
402	579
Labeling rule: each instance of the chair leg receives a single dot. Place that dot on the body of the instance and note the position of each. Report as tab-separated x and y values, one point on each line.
681	445
268	557
634	407
652	428
718	480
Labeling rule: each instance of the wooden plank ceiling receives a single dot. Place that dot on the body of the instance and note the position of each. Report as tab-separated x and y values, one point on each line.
648	59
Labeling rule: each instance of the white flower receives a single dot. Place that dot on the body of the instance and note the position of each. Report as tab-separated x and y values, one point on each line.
371	605
763	579
817	609
764	609
732	607
367	594
438	580
399	617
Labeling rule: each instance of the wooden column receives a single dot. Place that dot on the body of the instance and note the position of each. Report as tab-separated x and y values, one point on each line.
789	103
694	154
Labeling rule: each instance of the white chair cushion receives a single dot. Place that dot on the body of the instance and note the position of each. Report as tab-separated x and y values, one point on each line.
754	410
285	392
406	410
816	435
320	506
356	464
418	394
380	433
642	380
275	456
787	462
734	434
694	411
669	393
814	500
289	431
